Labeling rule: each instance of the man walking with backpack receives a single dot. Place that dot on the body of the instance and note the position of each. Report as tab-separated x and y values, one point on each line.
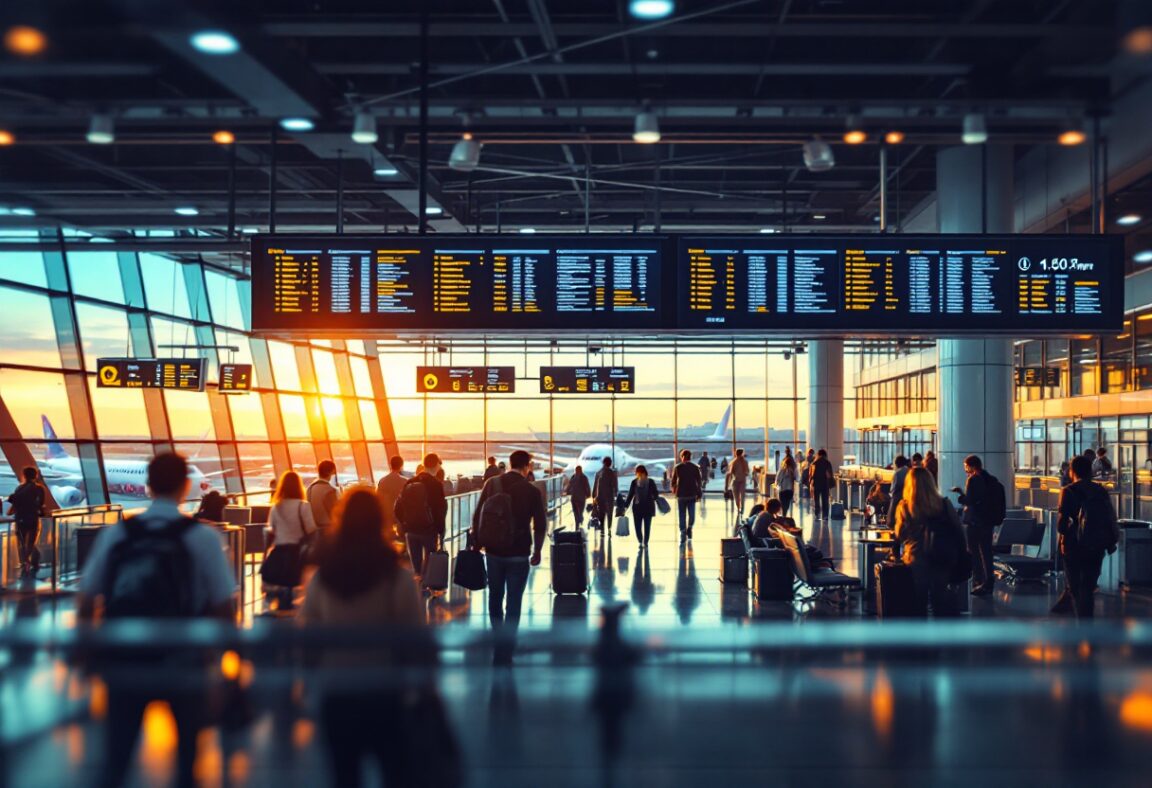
422	511
1088	530
985	503
509	524
605	488
26	506
157	565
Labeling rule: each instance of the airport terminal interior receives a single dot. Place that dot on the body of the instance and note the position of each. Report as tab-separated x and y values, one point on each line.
854	300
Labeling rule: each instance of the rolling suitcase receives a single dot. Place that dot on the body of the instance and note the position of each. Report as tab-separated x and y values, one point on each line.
731	548
569	559
895	591
734	570
836	510
435	574
772	578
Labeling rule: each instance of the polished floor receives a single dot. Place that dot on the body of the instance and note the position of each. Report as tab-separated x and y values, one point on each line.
728	690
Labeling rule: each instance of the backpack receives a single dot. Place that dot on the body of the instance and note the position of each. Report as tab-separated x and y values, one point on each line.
1097	528
412	508
943	540
150	572
497	528
995	501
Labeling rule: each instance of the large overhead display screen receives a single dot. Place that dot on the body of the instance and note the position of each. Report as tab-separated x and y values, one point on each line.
392	282
936	284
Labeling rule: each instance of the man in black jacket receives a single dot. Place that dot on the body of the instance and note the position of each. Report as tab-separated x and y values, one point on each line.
688	487
423	530
1081	563
508	568
821	478
974	499
26	505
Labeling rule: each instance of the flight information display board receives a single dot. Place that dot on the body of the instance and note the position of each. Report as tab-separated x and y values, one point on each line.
235	378
150	373
587	380
465	380
940	284
391	282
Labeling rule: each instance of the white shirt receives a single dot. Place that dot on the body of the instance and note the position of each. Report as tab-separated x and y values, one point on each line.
291	519
212	580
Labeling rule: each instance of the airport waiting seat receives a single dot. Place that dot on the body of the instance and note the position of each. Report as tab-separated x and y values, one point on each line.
1028	532
818	582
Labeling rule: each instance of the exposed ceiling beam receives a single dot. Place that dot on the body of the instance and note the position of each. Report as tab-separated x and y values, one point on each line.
850	69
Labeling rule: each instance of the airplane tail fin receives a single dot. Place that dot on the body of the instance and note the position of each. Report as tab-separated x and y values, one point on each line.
721	433
55	450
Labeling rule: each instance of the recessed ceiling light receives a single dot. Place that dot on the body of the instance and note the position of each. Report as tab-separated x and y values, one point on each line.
297	124
23	212
187	210
250	230
214	42
651	9
974	129
1143	256
433	210
527	230
364	129
646	129
1129	219
223	137
7	137
1070	137
101	130
894	137
386	172
819	216
767	230
25	41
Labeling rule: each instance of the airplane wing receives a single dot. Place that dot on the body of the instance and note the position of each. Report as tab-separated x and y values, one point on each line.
542	456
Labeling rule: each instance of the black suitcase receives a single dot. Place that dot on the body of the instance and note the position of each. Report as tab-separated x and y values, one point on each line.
772	577
569	554
734	570
895	591
731	548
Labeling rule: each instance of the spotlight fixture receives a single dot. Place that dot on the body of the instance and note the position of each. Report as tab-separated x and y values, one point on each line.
651	9
1073	134
385	172
767	230
101	130
465	154
1143	256
186	210
647	128
894	137
975	129
223	137
214	42
297	124
819	217
818	155
433	210
1129	219
25	41
364	129
853	133
23	212
249	230
528	230
7	137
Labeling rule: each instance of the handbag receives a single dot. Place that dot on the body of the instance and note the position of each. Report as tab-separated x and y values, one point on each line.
622	525
308	541
663	505
470	571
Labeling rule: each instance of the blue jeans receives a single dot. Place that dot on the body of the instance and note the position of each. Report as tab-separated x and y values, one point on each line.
419	546
687	509
511	574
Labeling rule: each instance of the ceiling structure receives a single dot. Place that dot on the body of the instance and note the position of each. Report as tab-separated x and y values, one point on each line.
550	88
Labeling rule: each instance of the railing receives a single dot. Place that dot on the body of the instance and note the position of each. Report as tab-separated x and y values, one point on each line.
65	535
461	509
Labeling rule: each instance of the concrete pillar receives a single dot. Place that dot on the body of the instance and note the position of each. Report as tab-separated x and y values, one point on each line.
974	376
826	397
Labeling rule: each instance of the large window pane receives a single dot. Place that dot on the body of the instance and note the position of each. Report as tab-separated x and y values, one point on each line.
29	333
325	366
407	418
295	417
371	420
164	285
247	416
189	415
224	299
30	395
27	267
284	367
96	274
103	331
334	417
574	419
361	379
120	413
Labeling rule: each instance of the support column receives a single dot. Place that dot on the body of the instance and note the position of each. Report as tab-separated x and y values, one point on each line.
826	397
974	188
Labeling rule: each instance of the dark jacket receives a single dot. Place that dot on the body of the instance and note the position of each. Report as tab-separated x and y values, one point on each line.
686	480
910	531
821	477
607	486
1072	498
27	502
437	503
528	513
578	487
643	505
974	499
490	471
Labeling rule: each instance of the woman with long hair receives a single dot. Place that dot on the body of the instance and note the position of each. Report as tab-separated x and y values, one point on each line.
642	495
931	539
361	583
292	524
786	479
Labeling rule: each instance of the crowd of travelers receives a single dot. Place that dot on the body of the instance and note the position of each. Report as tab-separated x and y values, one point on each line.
362	557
